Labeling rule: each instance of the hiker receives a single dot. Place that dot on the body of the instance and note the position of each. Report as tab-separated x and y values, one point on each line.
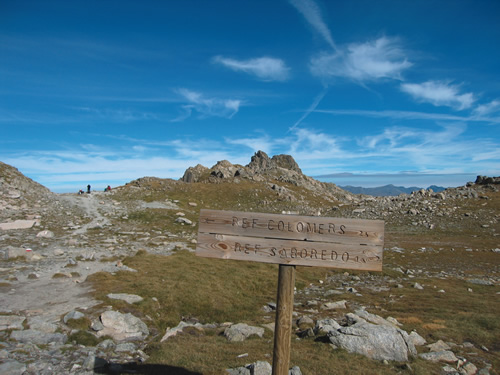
108	188
88	189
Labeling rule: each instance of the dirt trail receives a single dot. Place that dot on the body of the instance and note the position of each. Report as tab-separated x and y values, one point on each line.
38	293
90	204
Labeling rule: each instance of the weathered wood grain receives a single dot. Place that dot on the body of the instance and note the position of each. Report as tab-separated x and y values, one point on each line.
283	325
291	239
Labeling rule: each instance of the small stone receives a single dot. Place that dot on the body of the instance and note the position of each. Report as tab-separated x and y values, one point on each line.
183	220
438	346
335	305
72	315
129	298
442	356
469	369
418	286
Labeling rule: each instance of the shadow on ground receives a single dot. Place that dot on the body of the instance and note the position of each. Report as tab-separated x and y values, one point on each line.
102	366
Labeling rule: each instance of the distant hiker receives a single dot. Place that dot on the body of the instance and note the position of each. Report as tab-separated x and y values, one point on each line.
88	189
108	188
80	192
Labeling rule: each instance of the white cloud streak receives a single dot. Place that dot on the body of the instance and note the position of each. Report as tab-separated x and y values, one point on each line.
439	93
311	12
311	108
487	109
382	58
264	68
409	115
207	107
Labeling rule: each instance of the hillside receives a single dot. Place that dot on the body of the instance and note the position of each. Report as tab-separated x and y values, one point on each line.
76	268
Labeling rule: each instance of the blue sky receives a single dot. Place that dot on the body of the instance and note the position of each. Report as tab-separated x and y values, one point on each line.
103	92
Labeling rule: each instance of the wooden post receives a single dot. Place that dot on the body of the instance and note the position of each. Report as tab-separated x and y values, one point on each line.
283	326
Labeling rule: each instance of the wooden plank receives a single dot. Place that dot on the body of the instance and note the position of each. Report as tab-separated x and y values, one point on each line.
297	253
283	325
310	228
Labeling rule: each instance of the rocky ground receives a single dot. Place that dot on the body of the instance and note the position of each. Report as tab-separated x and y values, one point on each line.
50	243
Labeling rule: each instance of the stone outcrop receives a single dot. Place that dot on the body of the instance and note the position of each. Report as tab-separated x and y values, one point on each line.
380	341
193	174
484	180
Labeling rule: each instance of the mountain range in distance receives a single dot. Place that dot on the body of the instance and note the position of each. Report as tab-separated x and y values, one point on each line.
388	190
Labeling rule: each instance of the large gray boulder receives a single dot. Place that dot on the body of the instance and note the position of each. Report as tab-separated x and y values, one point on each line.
122	326
241	331
376	341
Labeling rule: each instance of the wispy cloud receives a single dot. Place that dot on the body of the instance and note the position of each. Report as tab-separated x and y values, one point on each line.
207	107
312	13
408	115
311	108
117	115
264	68
262	142
370	61
439	93
488	108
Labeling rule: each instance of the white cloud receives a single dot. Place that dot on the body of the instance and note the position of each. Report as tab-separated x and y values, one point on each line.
207	107
311	12
310	144
373	60
262	143
424	149
487	109
264	68
439	93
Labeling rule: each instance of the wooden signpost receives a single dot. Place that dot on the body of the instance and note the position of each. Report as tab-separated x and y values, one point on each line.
290	240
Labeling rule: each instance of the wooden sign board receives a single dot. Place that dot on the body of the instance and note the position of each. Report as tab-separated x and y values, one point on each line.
291	239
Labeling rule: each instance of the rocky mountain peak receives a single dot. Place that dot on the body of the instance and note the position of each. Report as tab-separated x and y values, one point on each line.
261	162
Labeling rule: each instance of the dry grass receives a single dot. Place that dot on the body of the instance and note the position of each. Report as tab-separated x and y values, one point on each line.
184	286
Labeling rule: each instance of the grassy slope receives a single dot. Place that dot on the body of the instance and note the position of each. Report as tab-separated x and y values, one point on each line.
185	286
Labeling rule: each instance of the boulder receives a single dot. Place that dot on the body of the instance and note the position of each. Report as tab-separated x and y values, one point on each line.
122	326
379	342
241	331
